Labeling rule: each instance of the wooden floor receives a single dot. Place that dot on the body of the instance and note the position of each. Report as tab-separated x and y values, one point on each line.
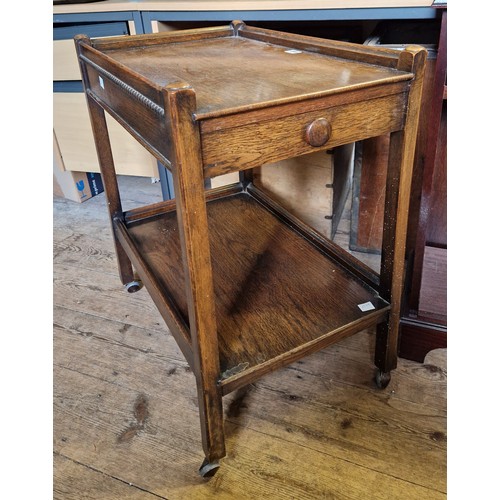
125	408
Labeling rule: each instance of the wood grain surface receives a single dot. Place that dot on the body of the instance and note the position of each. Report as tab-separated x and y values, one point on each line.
231	82
284	137
258	265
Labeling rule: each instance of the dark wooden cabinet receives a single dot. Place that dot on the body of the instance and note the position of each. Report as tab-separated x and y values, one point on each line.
424	312
424	315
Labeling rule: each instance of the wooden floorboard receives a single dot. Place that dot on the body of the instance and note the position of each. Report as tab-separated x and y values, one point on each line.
126	420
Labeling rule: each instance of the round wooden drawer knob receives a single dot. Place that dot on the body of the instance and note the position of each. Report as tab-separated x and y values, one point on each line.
318	132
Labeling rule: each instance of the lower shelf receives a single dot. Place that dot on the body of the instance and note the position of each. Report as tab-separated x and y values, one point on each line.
278	297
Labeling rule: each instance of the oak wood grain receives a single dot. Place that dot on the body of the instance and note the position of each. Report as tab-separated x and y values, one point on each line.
257	264
284	137
213	77
397	200
191	217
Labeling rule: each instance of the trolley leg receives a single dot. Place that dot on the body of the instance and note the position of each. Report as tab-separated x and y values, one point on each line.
397	200
212	429
193	231
108	173
107	167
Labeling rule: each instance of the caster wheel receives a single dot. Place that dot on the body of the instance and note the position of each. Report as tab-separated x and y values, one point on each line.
208	469
133	286
382	379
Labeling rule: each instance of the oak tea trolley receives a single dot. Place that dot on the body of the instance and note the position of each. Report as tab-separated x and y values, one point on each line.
243	286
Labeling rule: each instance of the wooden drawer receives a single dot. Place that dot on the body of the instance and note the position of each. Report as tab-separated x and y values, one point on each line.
285	136
74	136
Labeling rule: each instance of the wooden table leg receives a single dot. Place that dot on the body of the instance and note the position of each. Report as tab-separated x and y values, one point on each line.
111	190
399	175
193	227
108	173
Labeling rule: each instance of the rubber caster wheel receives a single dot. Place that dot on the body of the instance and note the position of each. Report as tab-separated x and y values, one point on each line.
382	379
208	469
133	286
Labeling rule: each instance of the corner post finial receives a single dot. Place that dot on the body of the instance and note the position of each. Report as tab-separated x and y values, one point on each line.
82	39
237	26
412	58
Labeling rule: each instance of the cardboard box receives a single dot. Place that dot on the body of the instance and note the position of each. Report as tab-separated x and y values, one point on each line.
76	186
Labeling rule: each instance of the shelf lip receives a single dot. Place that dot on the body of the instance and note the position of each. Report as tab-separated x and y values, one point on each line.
331	249
245	376
167	308
368	275
308	102
302	98
163	207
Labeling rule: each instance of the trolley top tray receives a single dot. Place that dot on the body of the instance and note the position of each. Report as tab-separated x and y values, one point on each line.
234	68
